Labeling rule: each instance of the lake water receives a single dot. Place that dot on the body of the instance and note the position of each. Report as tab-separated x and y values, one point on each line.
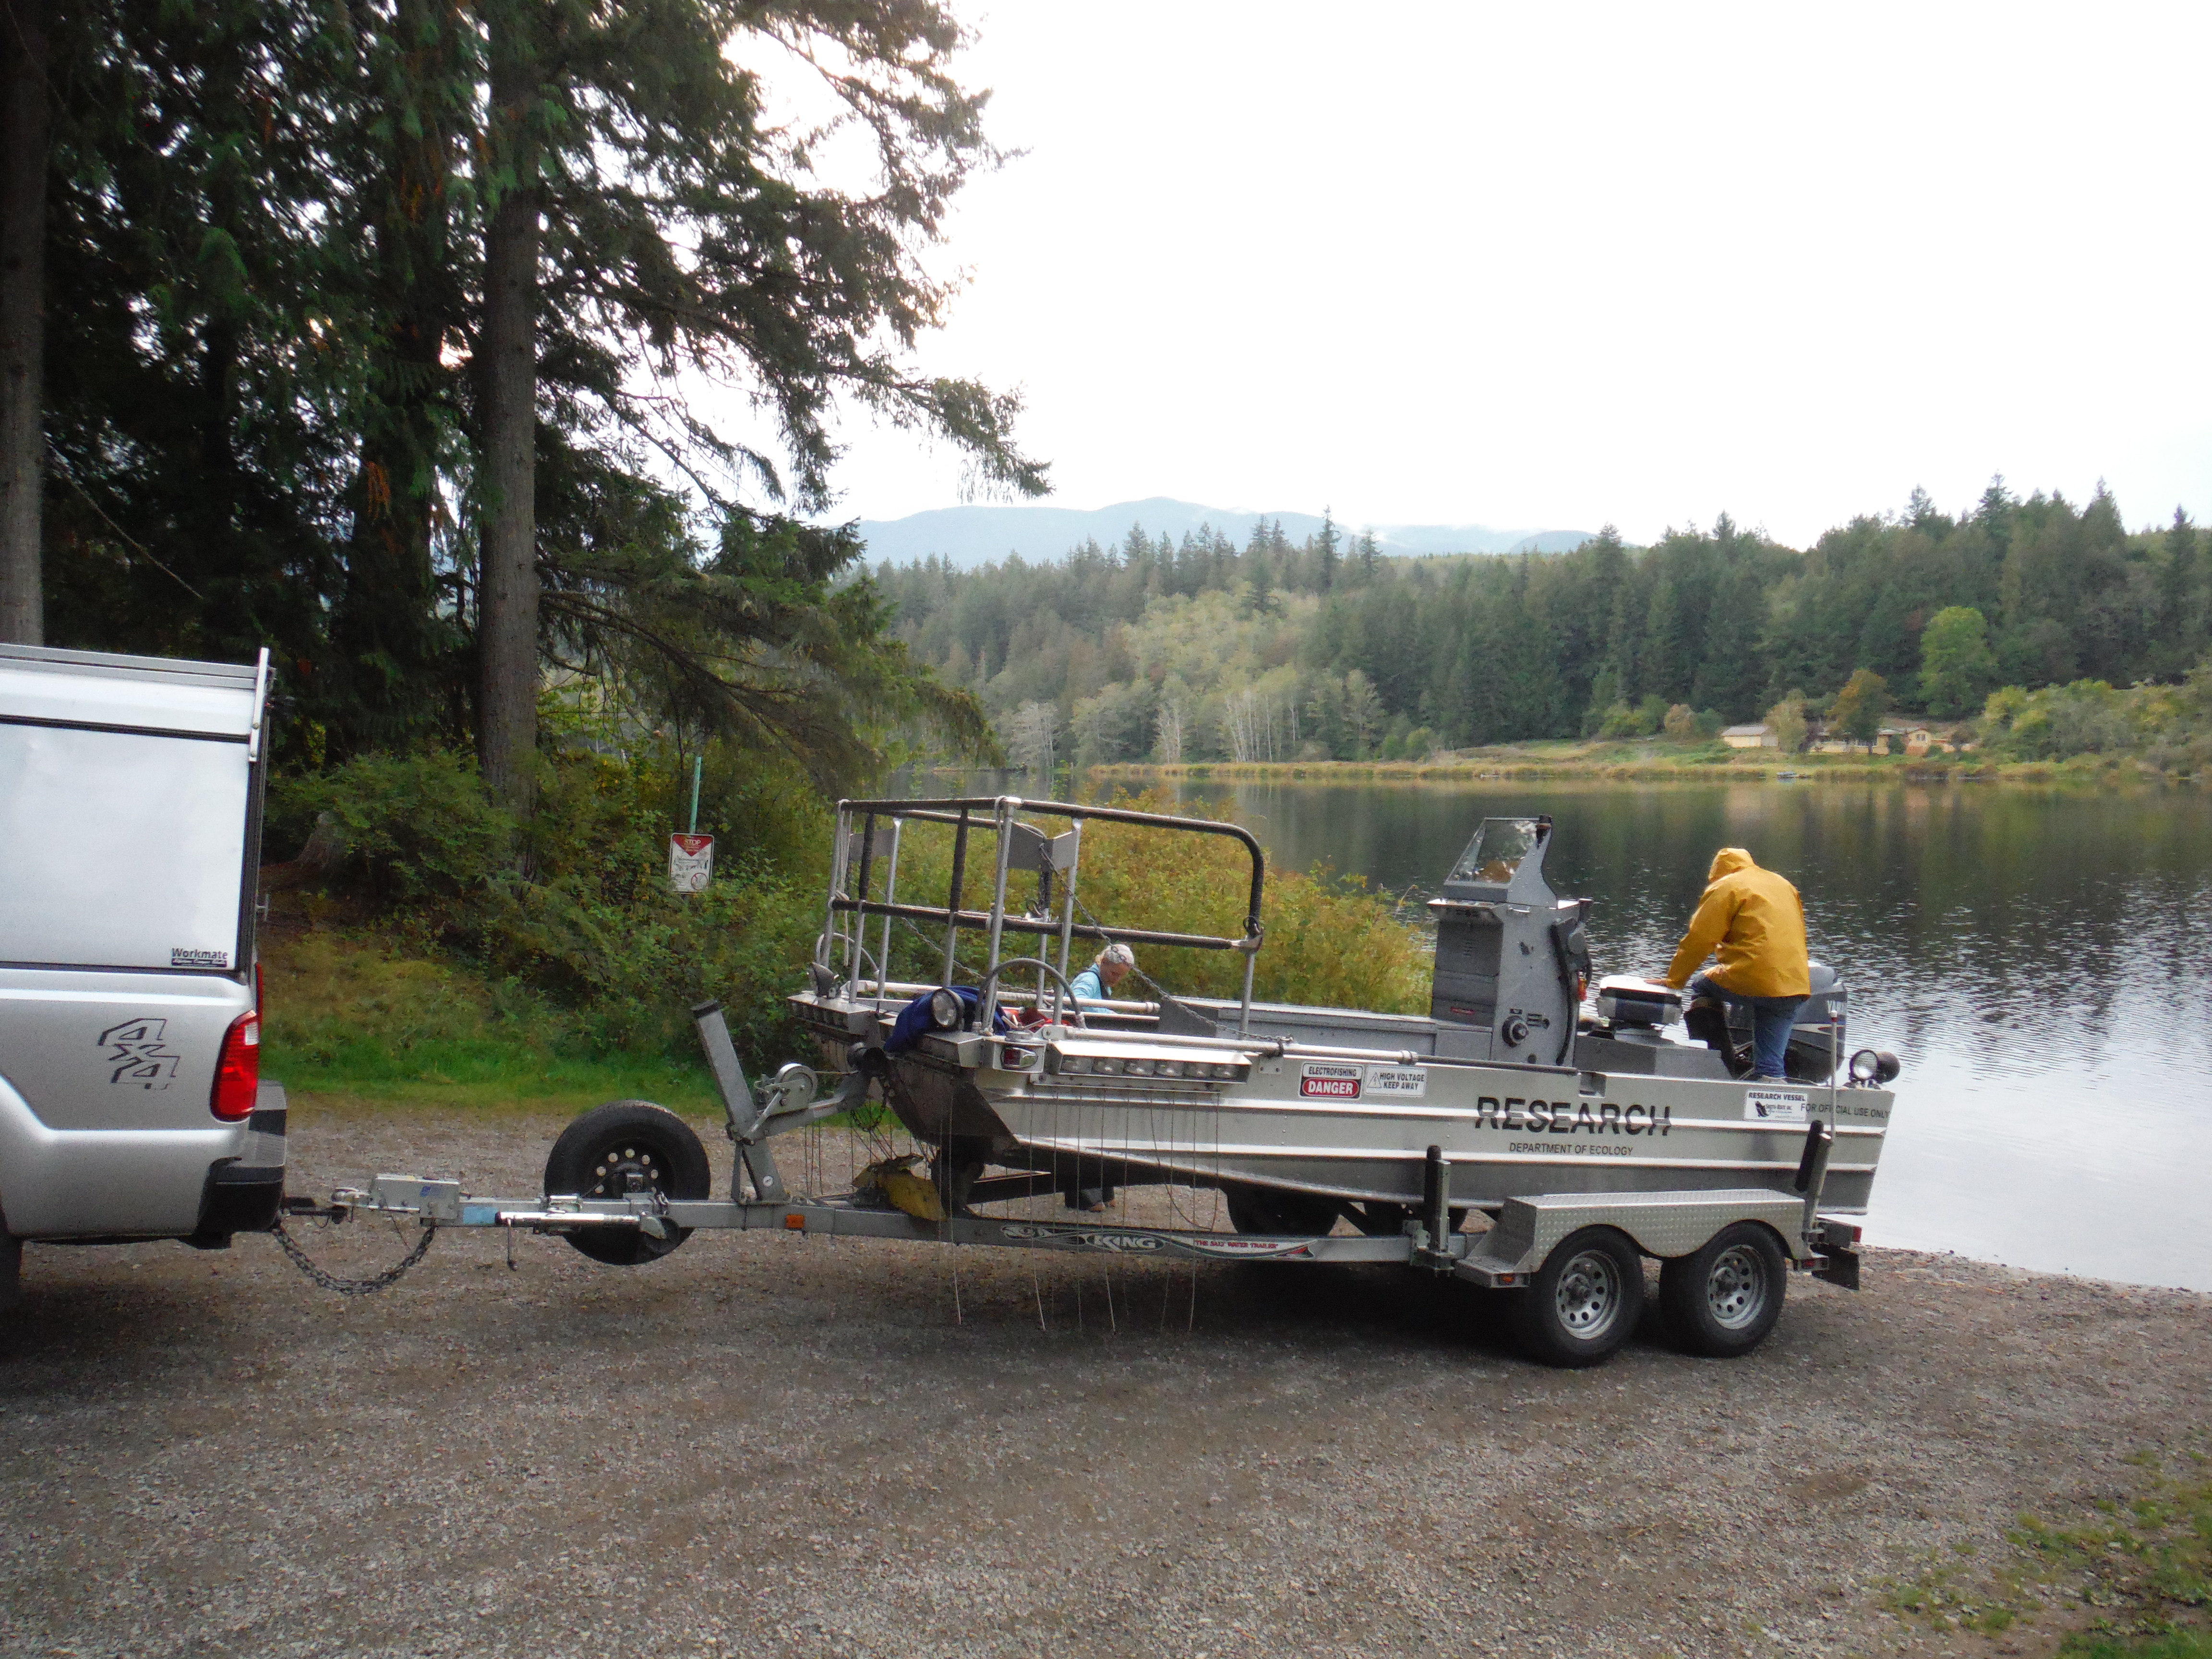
2040	961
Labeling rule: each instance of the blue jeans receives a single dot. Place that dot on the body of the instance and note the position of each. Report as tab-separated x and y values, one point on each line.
1772	1021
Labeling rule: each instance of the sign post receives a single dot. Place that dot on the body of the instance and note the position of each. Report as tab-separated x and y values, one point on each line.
691	857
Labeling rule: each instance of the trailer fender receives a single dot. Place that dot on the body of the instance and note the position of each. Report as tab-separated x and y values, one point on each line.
1662	1225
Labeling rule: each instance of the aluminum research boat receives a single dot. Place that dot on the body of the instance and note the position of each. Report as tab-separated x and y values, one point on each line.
1522	1080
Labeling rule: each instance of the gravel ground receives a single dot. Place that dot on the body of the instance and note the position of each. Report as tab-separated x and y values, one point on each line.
771	1444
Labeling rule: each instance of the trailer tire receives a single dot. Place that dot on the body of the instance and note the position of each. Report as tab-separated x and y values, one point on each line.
1275	1211
596	1154
1721	1300
1585	1300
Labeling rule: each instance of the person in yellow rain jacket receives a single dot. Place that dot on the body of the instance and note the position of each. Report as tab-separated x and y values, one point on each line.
1754	922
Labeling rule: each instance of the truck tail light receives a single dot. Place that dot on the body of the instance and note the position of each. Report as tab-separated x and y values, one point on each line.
238	1069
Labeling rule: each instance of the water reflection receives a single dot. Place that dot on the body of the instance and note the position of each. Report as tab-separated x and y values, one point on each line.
2041	961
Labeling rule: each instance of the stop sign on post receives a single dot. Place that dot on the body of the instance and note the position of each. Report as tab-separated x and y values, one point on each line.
690	862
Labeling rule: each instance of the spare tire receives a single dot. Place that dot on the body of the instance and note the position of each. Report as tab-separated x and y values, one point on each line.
623	1146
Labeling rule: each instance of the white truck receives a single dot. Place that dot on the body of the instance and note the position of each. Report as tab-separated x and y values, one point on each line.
131	1101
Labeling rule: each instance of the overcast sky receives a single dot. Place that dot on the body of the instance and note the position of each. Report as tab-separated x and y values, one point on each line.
1553	266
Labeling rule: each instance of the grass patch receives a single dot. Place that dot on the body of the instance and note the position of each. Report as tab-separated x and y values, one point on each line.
2138	1565
348	1021
2174	1644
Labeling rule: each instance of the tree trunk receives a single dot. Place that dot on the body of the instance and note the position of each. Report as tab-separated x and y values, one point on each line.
506	593
386	664
23	135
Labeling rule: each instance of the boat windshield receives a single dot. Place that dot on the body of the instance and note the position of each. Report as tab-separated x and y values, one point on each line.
1497	850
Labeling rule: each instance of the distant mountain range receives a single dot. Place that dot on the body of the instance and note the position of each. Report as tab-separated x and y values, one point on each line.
969	536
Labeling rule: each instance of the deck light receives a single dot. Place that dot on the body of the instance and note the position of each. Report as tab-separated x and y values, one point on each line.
1105	1067
1873	1066
1138	1067
946	1011
1074	1065
1169	1067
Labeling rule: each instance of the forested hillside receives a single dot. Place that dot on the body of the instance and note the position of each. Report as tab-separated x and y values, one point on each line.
1203	650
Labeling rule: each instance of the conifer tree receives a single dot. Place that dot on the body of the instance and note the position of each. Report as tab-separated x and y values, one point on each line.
1325	546
399	257
24	124
2181	622
1261	577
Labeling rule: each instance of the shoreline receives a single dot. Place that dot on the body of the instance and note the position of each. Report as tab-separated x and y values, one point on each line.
1612	764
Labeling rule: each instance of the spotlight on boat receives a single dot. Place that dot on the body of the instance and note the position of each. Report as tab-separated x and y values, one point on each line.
1874	1065
946	1011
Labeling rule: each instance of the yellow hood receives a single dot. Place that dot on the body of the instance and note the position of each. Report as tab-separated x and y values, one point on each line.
1727	861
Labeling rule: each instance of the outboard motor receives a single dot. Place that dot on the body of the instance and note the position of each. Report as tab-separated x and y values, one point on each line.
1512	957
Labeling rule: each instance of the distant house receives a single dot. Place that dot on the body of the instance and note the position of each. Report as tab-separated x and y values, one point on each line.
1921	741
1889	739
1748	737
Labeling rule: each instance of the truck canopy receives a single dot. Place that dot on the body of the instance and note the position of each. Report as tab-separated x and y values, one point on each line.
129	811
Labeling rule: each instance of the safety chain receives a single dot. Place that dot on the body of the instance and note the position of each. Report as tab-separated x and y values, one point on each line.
330	1281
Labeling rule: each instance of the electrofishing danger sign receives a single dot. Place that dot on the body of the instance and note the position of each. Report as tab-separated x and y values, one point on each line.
1330	1082
690	862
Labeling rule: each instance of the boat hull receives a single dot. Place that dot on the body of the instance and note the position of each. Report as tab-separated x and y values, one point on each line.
1360	1130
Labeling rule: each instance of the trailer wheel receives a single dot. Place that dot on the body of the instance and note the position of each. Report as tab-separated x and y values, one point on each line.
1723	1300
1271	1210
625	1146
1584	1301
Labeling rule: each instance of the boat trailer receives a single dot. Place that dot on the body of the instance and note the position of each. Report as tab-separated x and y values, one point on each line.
1571	1259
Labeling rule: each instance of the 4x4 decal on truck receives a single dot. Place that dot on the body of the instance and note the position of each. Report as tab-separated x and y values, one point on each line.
135	1052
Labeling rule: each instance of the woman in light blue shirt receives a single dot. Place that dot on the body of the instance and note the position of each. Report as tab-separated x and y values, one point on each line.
1107	970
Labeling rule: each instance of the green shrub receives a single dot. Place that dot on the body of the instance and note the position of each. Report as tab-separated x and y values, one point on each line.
407	828
2085	718
575	906
1642	721
572	914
